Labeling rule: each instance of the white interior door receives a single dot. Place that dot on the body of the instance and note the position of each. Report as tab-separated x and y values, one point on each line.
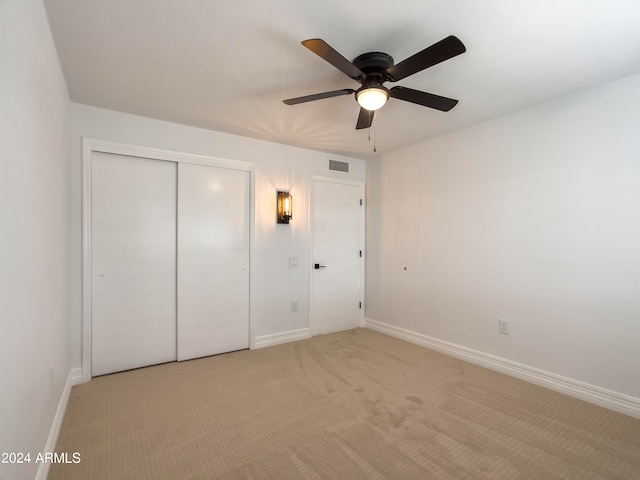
336	261
213	260
133	259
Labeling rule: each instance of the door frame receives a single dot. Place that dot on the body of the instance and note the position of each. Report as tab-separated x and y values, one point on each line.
361	272
91	145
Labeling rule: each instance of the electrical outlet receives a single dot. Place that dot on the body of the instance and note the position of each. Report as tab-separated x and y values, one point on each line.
294	305
503	327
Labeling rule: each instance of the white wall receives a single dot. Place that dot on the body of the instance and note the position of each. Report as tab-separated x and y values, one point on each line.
274	284
534	218
34	242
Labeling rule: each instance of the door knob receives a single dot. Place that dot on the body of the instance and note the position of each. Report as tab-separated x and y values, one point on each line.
317	266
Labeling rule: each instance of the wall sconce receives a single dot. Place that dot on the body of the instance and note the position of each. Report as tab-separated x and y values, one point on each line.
284	207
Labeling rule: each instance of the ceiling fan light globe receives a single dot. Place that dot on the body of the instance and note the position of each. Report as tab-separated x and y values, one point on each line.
372	98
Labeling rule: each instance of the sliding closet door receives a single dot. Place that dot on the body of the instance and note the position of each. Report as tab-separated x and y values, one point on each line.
213	260
133	258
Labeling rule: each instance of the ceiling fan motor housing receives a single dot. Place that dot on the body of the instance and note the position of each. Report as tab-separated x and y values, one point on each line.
374	65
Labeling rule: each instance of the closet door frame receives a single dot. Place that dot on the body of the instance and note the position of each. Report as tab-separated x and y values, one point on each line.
91	145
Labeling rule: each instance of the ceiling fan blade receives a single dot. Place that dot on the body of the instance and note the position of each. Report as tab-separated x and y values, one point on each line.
318	96
365	118
423	98
328	53
438	52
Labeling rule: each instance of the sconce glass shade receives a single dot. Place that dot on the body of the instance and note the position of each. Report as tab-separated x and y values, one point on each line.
284	207
372	97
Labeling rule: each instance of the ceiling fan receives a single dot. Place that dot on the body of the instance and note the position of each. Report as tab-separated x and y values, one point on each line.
373	69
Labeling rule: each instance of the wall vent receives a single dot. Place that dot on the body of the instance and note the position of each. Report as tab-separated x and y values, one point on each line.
338	166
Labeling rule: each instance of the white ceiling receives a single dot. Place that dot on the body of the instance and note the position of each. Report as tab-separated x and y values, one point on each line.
227	65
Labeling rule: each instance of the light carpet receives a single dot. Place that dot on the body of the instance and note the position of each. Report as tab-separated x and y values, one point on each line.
350	405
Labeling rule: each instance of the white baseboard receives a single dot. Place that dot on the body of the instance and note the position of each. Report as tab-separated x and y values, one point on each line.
74	378
600	396
281	337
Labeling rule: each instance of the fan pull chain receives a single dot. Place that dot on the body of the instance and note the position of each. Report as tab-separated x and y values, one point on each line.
374	133
375	138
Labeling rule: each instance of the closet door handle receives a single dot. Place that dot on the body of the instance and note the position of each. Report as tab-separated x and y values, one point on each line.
317	266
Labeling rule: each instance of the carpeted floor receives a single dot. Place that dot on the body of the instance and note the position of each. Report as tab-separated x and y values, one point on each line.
351	405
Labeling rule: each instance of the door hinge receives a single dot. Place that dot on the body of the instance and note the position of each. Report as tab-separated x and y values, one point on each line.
360	304
361	253
360	202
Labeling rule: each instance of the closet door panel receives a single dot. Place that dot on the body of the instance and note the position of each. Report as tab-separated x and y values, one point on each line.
213	260
133	246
